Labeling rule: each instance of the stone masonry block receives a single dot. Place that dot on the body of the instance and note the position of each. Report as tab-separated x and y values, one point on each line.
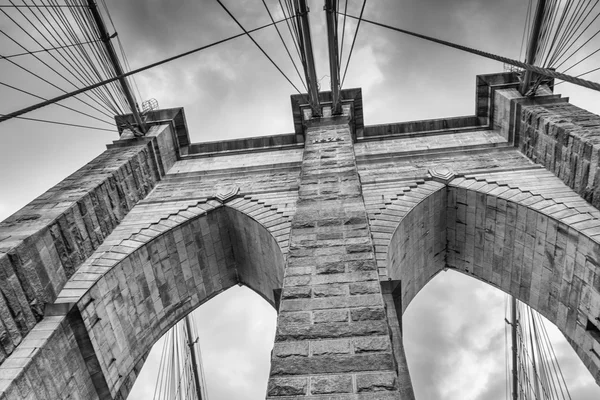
331	384
327	347
376	382
287	386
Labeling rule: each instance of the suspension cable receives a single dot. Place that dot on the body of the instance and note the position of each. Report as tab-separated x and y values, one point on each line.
542	71
27	53
66	124
257	45
60	105
284	45
133	72
362	10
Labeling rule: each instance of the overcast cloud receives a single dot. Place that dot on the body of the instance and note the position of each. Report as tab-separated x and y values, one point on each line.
454	330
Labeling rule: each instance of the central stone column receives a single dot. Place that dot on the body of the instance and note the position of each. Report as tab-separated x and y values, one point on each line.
333	336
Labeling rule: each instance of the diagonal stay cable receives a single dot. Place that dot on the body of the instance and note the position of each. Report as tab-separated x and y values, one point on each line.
66	124
45	80
343	30
574	25
81	53
58	35
39	44
90	29
27	53
53	85
581	46
133	72
257	45
362	10
60	105
542	71
565	51
285	45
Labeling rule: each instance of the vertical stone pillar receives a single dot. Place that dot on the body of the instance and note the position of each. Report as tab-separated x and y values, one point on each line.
333	336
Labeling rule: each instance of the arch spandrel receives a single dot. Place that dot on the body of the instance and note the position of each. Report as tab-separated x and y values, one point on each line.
527	234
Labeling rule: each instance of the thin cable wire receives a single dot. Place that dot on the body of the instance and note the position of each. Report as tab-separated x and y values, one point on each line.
66	124
105	62
47	81
506	60
362	10
27	53
53	85
290	28
133	72
525	28
45	5
73	60
285	45
52	55
257	45
343	30
58	104
564	52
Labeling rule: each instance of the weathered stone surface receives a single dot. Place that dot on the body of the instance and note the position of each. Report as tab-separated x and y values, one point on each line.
376	382
332	364
331	384
371	344
326	347
367	314
287	386
287	349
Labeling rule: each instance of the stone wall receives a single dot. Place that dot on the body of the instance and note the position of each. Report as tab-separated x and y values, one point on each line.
566	140
44	243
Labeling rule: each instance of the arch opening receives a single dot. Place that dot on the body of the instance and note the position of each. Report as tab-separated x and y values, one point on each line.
454	337
236	346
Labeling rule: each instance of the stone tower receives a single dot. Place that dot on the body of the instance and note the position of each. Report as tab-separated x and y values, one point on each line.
338	225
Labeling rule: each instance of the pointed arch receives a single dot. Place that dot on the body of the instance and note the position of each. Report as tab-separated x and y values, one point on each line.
137	286
526	234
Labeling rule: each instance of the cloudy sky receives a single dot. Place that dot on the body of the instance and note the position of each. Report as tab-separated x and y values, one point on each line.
454	330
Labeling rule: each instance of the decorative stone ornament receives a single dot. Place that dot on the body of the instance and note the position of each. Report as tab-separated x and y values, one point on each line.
226	194
328	140
442	173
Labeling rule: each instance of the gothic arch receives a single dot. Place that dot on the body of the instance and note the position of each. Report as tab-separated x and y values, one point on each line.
118	312
542	248
145	294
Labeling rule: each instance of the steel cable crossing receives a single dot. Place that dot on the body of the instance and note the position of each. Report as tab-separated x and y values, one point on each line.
130	73
73	43
362	10
284	45
247	33
63	61
506	60
566	31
